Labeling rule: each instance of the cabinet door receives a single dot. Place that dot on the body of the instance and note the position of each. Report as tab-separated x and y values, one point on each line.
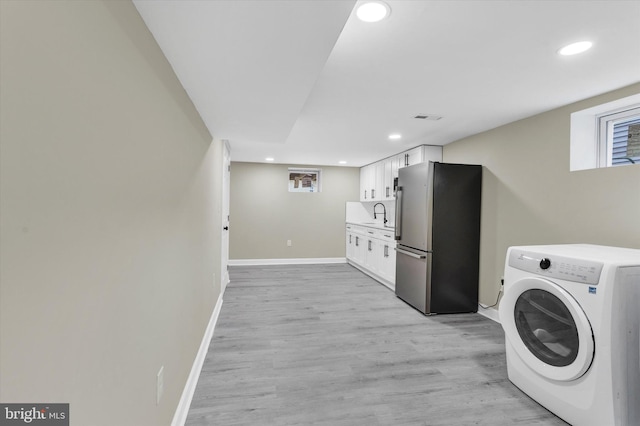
368	182
415	156
364	191
350	244
372	255
432	153
395	164
387	181
359	248
365	186
403	160
388	261
410	157
377	191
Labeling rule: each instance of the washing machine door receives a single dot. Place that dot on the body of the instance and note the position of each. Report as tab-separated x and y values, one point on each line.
547	328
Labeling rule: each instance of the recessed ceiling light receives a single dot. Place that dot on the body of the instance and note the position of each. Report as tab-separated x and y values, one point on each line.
269	159
395	136
342	162
373	11
575	48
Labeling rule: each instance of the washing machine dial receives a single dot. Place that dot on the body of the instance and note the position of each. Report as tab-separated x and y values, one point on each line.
545	263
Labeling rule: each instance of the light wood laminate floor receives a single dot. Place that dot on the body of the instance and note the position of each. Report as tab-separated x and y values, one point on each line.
327	345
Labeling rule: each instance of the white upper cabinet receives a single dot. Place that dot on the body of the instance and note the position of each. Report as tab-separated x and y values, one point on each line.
368	182
387	181
373	182
377	193
419	154
376	179
431	153
395	165
411	157
363	183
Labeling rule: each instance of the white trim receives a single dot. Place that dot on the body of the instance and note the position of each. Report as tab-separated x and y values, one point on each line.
606	124
583	139
490	313
299	261
180	416
391	286
225	202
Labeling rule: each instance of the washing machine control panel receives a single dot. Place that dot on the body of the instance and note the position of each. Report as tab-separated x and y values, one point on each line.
559	267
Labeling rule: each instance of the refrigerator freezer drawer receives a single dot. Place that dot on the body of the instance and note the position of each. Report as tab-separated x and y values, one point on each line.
412	269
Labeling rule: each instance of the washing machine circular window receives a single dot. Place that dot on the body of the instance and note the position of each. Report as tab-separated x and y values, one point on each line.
547	328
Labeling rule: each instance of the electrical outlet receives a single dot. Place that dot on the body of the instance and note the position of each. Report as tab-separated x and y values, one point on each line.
159	384
288	243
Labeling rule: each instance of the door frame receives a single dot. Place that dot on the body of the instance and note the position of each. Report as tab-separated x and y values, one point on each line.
226	188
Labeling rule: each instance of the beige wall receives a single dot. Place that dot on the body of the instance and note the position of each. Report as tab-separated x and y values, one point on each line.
530	197
264	215
110	222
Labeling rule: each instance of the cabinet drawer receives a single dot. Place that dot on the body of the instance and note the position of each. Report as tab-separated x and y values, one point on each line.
359	230
377	233
386	235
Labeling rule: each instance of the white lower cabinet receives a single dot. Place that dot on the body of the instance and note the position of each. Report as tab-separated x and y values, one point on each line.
350	243
388	263
372	253
372	250
355	244
359	249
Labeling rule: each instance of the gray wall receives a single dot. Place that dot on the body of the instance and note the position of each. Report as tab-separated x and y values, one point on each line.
110	219
264	214
531	197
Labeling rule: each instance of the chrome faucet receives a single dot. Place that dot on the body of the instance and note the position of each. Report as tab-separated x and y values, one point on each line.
384	211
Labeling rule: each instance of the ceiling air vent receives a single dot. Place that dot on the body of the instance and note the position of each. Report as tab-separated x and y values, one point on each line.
428	117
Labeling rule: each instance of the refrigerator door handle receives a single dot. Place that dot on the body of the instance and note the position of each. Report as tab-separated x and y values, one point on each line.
408	253
398	229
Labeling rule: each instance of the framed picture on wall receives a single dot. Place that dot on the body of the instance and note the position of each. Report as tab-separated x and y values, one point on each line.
304	180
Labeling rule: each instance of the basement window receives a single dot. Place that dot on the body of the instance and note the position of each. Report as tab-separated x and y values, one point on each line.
607	135
304	180
619	138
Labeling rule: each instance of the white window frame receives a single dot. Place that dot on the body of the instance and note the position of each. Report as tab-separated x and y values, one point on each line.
585	150
606	124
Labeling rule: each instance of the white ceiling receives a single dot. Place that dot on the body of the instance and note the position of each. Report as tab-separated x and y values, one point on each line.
306	82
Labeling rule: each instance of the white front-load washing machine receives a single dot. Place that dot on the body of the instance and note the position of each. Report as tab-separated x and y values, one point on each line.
571	317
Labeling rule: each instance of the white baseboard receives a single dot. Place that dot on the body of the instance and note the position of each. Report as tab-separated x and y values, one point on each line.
391	286
180	416
298	261
490	313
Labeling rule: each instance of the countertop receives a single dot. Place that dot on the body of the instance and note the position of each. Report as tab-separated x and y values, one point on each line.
376	225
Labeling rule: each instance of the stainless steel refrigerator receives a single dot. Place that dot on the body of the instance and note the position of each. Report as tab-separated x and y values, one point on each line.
438	237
